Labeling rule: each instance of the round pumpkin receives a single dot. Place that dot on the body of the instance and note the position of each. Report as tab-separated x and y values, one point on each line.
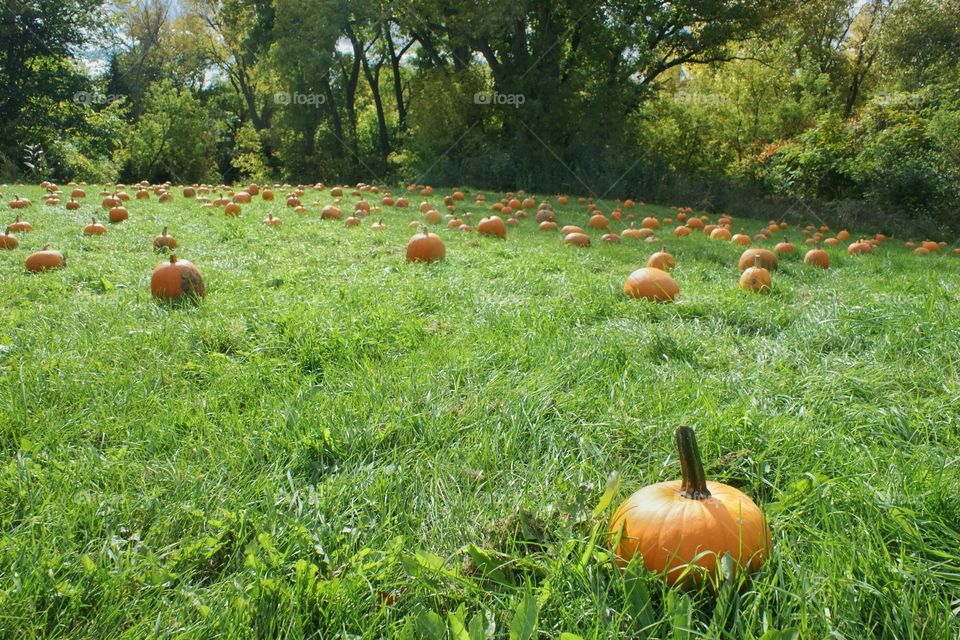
270	221
859	248
768	260
651	284
817	258
598	221
784	247
176	280
680	529
8	241
720	233
425	247
756	278
19	226
681	231
118	214
164	241
492	226
547	225
577	239
94	229
45	260
650	223
662	260
741	239
610	238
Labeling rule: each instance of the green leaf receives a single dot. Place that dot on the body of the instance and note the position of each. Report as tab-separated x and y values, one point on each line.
479	630
786	634
569	636
613	483
524	624
431	626
638	597
488	565
457	627
679	612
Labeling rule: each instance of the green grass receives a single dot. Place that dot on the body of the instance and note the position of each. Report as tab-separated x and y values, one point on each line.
336	443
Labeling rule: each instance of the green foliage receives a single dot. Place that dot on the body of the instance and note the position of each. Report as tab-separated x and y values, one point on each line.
249	159
174	138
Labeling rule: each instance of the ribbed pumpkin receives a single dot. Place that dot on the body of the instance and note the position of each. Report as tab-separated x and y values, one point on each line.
176	280
741	239
784	247
331	212
94	229
164	241
859	247
681	231
577	239
45	260
19	226
611	238
425	247
651	284
680	529
118	214
650	223
720	233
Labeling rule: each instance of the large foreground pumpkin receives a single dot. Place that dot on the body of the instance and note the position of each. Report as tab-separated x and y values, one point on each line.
176	279
681	528
651	284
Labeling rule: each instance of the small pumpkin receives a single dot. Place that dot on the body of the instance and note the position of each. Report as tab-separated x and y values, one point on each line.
662	260
784	247
379	225
756	278
547	225
859	247
118	214
94	228
768	260
492	226
682	231
331	212
611	238
741	239
19	226
720	233
680	529
8	241
232	209
598	221
45	260
425	247
72	205
165	241
176	280
270	221
432	216
650	223
817	258
651	284
577	239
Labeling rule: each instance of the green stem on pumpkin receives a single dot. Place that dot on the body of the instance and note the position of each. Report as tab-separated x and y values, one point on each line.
694	483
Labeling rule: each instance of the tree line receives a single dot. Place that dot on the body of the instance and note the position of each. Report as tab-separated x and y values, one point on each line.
710	102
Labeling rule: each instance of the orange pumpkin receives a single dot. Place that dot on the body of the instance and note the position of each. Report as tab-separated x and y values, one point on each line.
331	212
45	260
662	260
650	223
610	238
270	221
8	241
378	225
860	247
784	247
681	231
577	239
741	239
598	221
20	226
721	233
756	278
680	529
547	225
176	280
768	260
651	284
492	226
94	229
164	240
817	258
72	205
425	247
118	214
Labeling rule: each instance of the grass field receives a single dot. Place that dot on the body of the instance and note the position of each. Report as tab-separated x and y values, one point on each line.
338	444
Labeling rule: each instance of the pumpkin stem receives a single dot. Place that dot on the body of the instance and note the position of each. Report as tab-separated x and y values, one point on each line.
756	261
694	484
173	258
164	232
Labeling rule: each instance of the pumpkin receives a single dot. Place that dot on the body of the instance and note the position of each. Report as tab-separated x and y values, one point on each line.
432	216
628	204
45	260
637	234
570	228
681	231
651	284
19	203
707	230
859	247
563	199
756	278
19	225
492	226
547	225
921	251
176	279
930	246
610	237
232	209
662	260
242	198
682	528
830	242
458	195
741	238
577	239
784	247
843	234
817	258
695	223
720	233
270	221
94	229
165	240
598	221
8	241
118	214
378	225
425	247
78	193
768	260
72	205
336	192
143	194
331	212
650	223
352	221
